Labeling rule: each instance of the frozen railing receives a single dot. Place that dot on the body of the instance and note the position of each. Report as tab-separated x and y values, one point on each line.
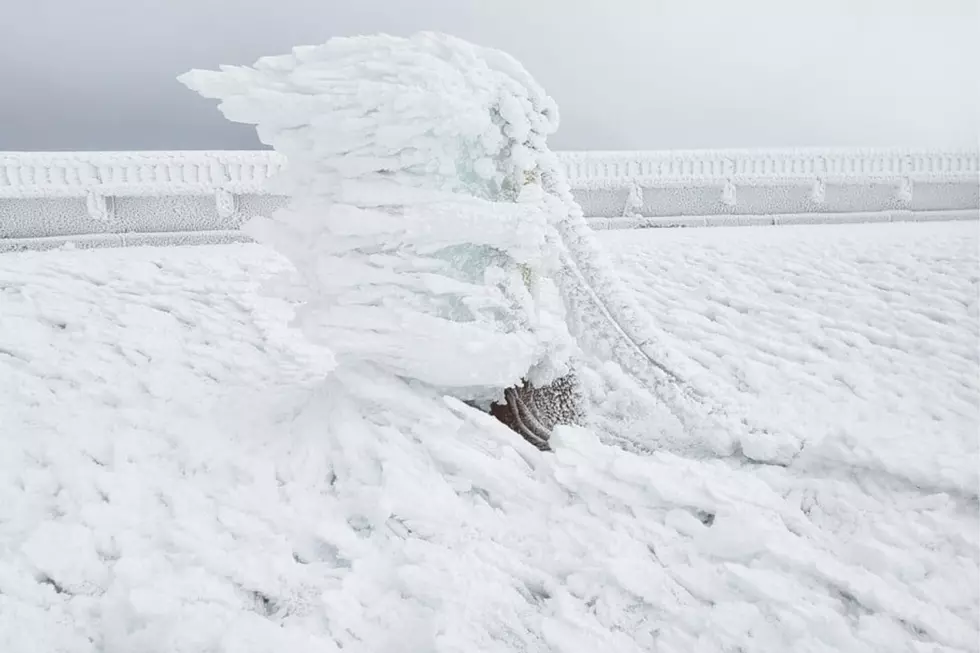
134	174
204	196
754	166
76	174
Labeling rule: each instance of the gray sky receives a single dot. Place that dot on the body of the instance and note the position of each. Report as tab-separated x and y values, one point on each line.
627	74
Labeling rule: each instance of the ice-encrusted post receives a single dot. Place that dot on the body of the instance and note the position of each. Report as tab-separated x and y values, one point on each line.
417	219
433	228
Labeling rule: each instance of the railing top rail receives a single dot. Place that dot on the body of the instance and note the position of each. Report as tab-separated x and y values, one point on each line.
680	153
27	174
577	156
771	152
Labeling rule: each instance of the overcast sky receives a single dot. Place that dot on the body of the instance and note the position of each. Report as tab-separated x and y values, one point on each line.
627	74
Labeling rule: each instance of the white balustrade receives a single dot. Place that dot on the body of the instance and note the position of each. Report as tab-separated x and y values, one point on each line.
162	192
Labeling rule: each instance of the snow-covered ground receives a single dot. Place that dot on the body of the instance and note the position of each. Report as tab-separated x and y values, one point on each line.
172	477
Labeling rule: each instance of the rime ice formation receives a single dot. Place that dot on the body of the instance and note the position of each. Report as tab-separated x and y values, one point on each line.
274	510
417	221
431	223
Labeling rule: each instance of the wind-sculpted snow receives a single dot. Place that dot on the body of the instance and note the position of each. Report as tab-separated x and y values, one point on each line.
844	312
177	475
406	153
413	213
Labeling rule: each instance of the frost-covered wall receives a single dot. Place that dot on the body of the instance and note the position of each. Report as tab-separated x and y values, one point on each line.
204	196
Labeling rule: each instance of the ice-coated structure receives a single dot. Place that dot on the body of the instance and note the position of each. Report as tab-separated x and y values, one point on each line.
418	221
432	226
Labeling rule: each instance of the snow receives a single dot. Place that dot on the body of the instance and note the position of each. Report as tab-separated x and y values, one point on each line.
416	205
180	471
840	311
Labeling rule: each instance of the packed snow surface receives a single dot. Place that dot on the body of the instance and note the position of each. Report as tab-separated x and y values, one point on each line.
180	472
